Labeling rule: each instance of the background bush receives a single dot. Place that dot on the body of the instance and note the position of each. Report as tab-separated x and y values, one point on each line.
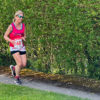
63	36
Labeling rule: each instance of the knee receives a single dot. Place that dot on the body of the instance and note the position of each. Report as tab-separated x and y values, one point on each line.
20	64
24	65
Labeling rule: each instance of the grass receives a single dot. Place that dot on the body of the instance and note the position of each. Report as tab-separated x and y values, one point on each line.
13	92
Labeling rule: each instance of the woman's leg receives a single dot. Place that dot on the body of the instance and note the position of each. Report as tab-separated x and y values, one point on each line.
18	60
24	60
23	56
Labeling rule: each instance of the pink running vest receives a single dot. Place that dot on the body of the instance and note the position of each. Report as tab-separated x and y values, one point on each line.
16	34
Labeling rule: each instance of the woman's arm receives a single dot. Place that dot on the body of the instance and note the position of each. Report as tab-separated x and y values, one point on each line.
25	34
6	35
24	37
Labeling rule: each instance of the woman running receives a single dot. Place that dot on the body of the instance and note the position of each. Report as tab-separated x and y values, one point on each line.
15	34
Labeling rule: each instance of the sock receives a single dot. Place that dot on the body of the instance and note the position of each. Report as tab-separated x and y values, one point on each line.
17	77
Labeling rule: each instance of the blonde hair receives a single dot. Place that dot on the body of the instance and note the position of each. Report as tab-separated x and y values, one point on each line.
17	13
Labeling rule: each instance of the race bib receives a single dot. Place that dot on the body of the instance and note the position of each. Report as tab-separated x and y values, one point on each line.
18	44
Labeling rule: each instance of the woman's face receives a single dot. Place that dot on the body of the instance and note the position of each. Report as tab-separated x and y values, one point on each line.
19	18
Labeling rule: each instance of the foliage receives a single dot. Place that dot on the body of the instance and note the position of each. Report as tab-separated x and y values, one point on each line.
62	35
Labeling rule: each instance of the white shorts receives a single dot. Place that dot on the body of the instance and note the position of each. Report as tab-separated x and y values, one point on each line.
21	51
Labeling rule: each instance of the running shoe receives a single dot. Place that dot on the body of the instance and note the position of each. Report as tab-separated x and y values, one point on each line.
12	70
18	81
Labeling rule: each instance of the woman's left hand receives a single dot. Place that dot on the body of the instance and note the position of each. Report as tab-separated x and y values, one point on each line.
23	38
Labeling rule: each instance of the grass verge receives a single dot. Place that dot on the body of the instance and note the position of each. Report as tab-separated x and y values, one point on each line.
13	92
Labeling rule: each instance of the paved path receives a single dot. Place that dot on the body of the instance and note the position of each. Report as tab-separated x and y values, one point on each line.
49	87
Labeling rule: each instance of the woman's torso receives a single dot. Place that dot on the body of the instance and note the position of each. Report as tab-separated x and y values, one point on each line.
16	33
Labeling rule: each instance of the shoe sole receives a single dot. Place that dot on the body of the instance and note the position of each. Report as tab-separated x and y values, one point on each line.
12	70
17	83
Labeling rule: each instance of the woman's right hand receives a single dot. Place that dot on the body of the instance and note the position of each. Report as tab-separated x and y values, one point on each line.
12	41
